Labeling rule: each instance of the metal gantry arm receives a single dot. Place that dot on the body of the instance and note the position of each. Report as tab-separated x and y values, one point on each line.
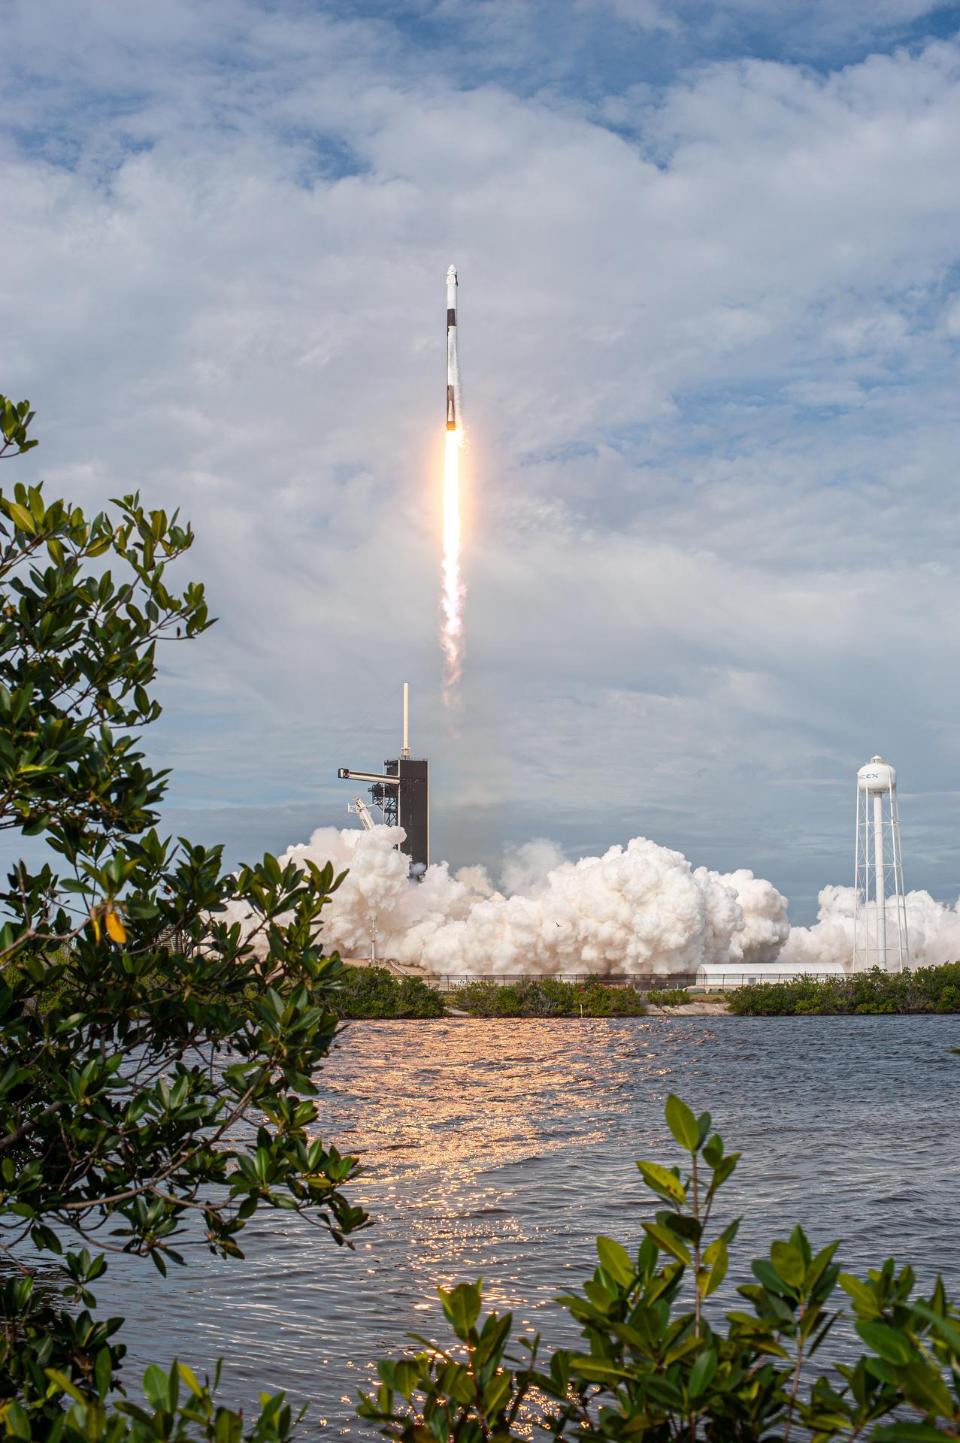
346	775
359	808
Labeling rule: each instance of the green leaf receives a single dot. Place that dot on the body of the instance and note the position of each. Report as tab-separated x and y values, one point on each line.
667	1242
788	1263
615	1260
17	1421
156	1388
949	1332
908	1433
190	1378
65	1384
863	1296
682	1123
21	516
596	1371
887	1342
103	1372
717	1259
926	1389
702	1372
462	1306
496	1394
662	1181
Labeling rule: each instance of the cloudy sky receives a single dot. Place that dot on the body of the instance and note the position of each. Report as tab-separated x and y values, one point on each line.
710	337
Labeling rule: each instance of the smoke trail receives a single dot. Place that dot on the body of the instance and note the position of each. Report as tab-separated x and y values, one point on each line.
452	592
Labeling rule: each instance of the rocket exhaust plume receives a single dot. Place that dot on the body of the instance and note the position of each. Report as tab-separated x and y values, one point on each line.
638	908
452	592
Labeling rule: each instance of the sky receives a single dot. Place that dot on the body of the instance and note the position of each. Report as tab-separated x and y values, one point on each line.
709	261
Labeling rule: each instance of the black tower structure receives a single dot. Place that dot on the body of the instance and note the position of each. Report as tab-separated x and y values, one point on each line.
402	795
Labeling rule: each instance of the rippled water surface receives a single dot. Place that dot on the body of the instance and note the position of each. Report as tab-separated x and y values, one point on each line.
502	1148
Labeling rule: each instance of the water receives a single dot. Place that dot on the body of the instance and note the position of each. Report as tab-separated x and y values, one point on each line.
501	1148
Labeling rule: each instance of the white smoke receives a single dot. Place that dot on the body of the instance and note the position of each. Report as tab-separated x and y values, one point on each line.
526	868
765	925
933	933
637	909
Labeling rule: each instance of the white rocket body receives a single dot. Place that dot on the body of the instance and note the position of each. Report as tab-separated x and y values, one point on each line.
453	362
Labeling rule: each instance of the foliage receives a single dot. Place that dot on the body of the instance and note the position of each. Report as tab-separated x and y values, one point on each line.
668	997
369	992
925	989
156	1073
658	1362
548	997
178	1407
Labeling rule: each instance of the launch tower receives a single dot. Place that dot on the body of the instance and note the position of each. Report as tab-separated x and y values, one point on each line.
401	794
880	912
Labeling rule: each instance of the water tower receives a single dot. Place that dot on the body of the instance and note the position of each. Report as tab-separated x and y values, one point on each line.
880	913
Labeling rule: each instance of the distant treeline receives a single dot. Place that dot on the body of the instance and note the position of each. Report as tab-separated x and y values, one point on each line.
927	989
546	997
373	992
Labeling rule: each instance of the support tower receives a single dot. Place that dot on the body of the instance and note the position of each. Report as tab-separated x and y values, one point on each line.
401	794
880	912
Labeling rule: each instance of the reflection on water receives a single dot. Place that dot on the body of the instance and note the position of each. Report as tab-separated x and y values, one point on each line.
500	1148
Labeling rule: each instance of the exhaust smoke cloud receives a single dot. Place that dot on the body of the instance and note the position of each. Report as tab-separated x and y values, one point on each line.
639	908
933	933
636	909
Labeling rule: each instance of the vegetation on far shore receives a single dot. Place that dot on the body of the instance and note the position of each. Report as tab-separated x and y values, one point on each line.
368	993
547	997
374	992
925	989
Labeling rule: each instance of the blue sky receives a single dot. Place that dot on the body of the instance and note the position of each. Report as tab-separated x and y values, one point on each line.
710	321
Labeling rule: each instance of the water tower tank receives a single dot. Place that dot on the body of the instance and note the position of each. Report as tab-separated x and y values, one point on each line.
876	776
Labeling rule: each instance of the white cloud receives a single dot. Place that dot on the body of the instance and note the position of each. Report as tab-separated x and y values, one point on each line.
709	372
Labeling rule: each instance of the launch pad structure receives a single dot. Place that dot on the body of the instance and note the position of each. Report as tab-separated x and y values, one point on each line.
401	794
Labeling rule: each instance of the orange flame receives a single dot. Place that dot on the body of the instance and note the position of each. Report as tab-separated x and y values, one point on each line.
452	595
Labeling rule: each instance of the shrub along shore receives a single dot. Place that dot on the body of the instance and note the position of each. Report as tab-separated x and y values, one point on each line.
925	989
374	992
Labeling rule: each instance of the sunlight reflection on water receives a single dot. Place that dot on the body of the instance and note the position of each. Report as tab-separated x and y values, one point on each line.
502	1147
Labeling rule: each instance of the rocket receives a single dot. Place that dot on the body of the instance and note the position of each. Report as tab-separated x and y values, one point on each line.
453	363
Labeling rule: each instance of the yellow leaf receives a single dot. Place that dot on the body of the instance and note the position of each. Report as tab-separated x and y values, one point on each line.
95	924
115	927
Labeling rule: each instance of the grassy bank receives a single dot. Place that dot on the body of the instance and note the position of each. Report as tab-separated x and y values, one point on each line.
545	997
927	989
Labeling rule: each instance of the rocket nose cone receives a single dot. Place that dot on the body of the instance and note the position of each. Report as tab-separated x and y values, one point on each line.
452	274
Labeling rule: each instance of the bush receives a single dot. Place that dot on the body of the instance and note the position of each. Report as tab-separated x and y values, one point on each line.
873	993
370	992
548	997
668	997
659	1362
157	1061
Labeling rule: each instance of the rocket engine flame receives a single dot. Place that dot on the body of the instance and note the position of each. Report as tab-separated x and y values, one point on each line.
452	594
452	590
